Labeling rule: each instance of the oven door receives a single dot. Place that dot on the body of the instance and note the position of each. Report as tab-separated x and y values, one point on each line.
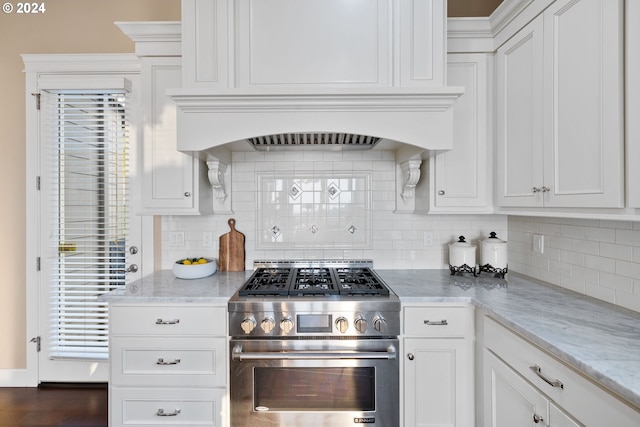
314	382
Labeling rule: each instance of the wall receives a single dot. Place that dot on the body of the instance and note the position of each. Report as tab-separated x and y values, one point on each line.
596	258
397	240
67	26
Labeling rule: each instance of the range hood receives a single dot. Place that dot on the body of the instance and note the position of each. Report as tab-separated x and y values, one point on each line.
411	121
314	74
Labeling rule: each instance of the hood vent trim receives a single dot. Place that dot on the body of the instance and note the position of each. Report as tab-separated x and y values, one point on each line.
339	141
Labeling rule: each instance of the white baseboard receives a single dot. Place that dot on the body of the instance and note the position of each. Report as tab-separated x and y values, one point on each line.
17	378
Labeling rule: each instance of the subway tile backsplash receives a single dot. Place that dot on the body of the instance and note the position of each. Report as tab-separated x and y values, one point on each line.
325	205
596	258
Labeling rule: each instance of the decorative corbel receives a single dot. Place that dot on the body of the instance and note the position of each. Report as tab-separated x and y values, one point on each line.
216	178
411	176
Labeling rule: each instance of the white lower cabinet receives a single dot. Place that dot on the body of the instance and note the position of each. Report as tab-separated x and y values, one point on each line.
524	385
438	366
515	402
168	365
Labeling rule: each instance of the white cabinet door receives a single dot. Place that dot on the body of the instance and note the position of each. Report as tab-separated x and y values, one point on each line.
632	108
172	181
436	388
559	418
519	67
249	44
559	101
459	178
583	104
510	400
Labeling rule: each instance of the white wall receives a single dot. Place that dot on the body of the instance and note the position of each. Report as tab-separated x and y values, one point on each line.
596	258
397	240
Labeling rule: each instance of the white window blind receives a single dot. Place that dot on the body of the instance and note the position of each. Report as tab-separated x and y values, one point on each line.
89	162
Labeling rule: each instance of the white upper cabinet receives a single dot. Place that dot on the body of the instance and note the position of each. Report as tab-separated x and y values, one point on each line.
269	44
458	180
172	182
519	69
560	109
632	110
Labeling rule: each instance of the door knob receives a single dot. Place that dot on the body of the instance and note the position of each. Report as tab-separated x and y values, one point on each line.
133	268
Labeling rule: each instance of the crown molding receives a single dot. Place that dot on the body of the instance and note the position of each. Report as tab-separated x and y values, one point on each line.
81	62
153	38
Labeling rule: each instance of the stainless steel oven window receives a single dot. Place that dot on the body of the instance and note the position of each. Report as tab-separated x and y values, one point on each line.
314	389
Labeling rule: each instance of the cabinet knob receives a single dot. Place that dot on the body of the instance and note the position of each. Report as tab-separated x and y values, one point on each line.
187	194
441	193
410	356
537	418
536	189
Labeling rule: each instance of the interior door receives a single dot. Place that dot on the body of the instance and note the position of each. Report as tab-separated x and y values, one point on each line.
89	237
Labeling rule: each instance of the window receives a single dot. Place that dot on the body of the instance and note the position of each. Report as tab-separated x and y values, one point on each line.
87	133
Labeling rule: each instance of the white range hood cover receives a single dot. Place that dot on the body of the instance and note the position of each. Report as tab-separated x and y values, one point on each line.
254	68
418	118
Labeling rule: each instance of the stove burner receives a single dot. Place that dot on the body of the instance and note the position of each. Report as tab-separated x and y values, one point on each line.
267	281
360	281
315	281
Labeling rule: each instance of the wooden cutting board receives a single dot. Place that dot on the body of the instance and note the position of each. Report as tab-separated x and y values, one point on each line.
231	253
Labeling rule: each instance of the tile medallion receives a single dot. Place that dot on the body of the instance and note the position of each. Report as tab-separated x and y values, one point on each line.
314	210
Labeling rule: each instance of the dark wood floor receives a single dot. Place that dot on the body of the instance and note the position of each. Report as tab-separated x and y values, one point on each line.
54	405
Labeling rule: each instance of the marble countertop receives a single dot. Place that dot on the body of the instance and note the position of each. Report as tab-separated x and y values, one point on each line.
597	338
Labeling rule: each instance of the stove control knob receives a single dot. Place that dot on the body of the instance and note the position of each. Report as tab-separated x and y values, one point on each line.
342	324
267	324
361	324
248	324
380	324
286	325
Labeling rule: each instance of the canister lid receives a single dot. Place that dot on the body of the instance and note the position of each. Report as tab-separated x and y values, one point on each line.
493	238
461	242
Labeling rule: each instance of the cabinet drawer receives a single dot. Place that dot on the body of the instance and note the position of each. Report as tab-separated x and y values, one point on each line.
578	395
174	362
176	407
167	320
436	321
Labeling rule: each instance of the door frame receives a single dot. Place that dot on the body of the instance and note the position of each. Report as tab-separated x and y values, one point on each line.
64	66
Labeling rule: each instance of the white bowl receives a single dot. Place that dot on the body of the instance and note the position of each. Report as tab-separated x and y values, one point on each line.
195	271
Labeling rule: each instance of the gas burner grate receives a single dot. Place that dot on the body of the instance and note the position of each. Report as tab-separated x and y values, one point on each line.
313	281
360	281
267	282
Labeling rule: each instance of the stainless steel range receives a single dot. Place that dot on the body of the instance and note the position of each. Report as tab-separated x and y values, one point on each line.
314	344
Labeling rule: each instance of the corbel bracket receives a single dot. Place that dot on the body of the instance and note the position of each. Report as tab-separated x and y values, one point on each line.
411	176
216	178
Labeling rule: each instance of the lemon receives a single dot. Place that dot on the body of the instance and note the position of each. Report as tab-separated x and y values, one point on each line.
186	262
202	261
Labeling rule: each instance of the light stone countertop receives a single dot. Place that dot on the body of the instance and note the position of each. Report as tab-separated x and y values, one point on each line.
596	338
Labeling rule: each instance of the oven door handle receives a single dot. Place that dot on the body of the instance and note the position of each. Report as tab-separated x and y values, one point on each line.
237	354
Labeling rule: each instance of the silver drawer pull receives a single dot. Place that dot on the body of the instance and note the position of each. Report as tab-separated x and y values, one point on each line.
161	361
552	383
167	322
537	418
161	413
436	323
